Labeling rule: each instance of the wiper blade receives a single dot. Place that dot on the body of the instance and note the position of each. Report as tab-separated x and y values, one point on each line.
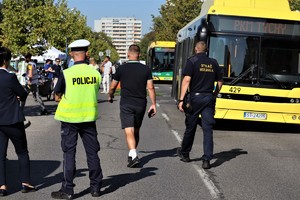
275	79
251	69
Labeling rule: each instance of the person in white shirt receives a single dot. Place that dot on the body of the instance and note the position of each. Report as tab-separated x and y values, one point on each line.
94	64
107	69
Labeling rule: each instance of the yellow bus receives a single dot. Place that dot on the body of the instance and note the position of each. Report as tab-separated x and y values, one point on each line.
160	57
257	45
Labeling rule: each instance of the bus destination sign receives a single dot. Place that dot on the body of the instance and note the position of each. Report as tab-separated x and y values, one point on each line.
259	27
254	25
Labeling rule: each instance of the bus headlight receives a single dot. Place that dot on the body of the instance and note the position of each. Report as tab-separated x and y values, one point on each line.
295	100
219	95
294	117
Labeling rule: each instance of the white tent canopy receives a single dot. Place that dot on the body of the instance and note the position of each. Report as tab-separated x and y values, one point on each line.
53	53
38	58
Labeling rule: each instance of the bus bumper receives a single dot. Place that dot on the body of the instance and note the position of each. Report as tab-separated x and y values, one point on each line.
258	111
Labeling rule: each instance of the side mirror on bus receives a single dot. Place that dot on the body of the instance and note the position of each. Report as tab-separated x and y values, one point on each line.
202	31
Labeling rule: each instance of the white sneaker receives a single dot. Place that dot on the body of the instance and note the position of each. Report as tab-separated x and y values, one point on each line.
102	92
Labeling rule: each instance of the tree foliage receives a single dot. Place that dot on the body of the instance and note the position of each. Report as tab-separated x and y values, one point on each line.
174	15
145	42
34	25
295	4
102	43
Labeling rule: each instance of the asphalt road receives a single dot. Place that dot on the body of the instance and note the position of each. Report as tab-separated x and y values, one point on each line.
252	160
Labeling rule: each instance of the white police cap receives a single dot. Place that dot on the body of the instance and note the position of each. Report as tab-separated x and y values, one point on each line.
79	45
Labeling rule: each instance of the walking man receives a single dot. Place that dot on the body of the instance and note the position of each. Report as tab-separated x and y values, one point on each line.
200	75
135	78
32	83
57	70
107	69
78	116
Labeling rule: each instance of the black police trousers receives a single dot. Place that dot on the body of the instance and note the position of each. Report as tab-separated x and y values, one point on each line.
203	104
69	136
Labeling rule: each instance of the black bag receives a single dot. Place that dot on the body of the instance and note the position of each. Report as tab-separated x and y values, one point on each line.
187	106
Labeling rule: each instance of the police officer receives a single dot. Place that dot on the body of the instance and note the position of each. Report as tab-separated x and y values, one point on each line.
78	116
200	75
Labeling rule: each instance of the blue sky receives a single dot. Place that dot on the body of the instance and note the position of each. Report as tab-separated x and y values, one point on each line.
140	9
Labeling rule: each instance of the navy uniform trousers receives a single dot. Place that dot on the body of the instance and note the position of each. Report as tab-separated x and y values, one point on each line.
203	104
69	136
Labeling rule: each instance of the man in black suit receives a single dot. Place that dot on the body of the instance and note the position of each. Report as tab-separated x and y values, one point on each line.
12	123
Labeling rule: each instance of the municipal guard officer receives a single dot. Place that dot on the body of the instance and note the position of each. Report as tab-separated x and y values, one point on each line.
76	92
200	75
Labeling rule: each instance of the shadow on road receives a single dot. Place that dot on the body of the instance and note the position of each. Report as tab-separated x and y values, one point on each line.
236	125
104	100
40	170
157	154
226	156
36	110
113	183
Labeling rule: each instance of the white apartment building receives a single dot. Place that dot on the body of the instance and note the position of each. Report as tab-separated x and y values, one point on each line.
123	31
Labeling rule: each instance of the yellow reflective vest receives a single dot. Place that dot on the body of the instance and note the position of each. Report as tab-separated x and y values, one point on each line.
79	102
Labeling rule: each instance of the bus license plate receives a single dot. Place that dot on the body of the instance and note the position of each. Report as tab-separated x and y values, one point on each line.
251	115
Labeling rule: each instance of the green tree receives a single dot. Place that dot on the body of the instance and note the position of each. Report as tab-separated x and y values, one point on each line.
174	15
101	42
145	42
20	27
295	4
1	15
1	19
34	25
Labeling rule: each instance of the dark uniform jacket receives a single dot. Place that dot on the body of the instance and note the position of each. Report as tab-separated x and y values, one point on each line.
10	88
204	71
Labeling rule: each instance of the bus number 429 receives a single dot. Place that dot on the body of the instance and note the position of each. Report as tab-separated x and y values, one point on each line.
235	89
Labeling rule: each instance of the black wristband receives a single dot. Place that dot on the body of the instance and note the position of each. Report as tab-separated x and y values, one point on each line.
180	100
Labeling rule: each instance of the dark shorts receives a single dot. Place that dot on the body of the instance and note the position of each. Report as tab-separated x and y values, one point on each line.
132	115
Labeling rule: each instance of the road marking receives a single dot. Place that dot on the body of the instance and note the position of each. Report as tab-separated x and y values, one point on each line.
213	190
177	136
165	116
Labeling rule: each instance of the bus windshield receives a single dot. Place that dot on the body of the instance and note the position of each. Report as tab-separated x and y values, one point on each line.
257	57
256	49
163	59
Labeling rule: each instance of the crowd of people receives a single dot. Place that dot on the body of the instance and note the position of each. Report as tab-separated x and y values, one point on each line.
78	115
